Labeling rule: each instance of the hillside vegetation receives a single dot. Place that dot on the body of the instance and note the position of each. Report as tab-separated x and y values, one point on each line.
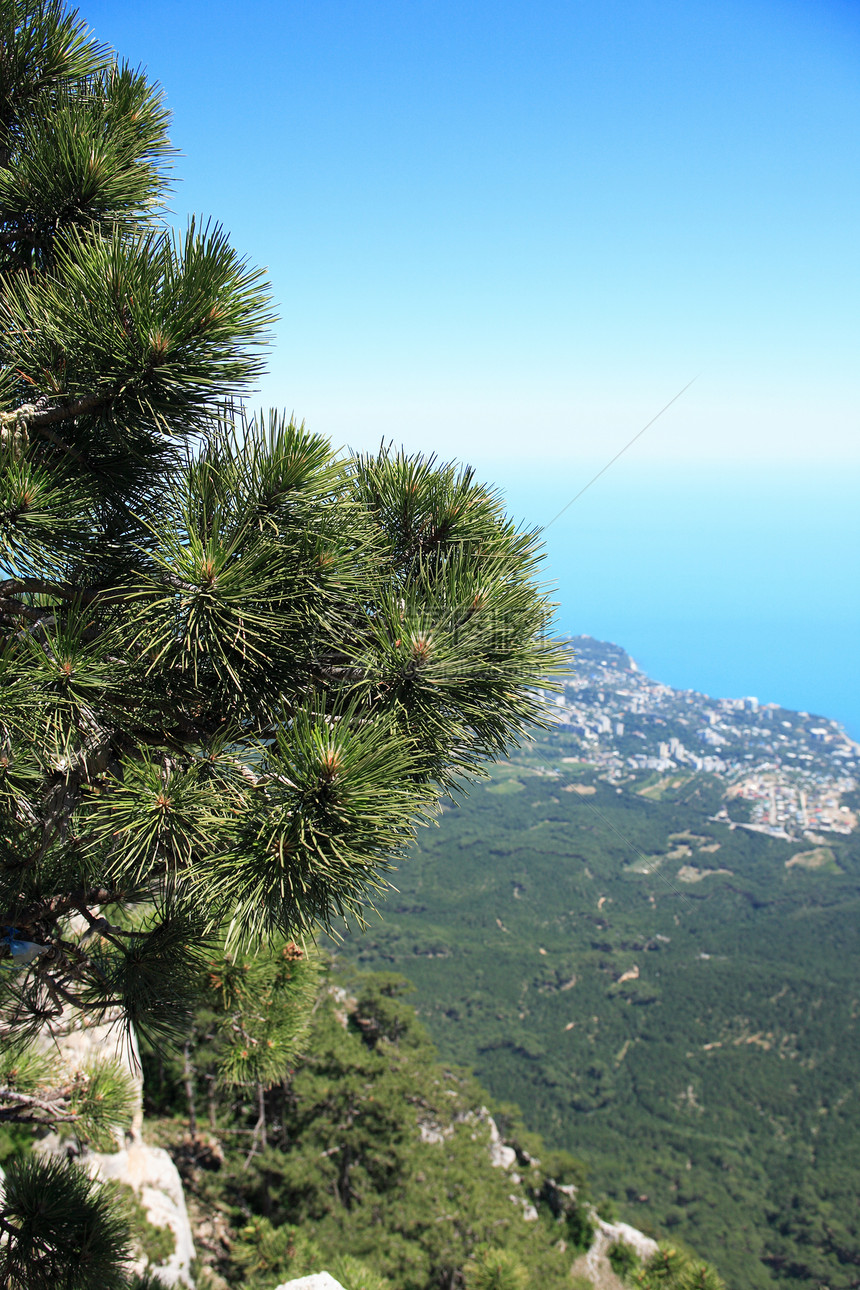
375	1160
671	998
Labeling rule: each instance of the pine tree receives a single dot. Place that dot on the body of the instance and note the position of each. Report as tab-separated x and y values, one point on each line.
96	1101
492	1269
237	667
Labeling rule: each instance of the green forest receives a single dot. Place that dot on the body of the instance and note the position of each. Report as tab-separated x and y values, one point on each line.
696	1042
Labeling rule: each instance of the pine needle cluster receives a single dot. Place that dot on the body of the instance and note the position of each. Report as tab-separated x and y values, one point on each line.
87	1245
94	1103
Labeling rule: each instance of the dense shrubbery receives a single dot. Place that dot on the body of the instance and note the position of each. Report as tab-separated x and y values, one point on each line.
492	1269
623	1259
673	1268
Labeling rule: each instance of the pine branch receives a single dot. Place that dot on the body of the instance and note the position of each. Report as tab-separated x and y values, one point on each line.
53	1107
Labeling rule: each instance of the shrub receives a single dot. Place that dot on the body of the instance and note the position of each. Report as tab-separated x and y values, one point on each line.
493	1269
623	1259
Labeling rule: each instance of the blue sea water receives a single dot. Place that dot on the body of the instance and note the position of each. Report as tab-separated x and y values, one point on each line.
725	580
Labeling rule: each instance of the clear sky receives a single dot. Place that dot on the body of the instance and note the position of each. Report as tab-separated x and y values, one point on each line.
511	232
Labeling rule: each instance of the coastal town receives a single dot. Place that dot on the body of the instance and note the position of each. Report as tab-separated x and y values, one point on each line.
786	771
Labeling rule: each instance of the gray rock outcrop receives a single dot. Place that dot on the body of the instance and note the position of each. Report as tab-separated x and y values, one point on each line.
501	1156
154	1178
609	1234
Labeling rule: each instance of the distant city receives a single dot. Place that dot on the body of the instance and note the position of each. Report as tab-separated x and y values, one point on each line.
793	768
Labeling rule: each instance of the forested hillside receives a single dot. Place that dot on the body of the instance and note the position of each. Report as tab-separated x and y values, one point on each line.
668	996
375	1160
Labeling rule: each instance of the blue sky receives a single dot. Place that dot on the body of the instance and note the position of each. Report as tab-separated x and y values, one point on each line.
511	232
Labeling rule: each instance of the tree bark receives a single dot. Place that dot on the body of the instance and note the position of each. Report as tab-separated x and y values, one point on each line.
261	1117
210	1099
188	1074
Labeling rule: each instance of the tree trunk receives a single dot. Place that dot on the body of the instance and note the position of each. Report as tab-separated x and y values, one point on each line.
188	1074
210	1099
261	1117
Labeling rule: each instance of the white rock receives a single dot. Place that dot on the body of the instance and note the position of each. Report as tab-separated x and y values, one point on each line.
501	1157
77	1040
155	1178
530	1214
432	1132
642	1244
595	1265
318	1281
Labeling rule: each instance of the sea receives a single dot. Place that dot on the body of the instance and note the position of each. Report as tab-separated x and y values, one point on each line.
730	580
